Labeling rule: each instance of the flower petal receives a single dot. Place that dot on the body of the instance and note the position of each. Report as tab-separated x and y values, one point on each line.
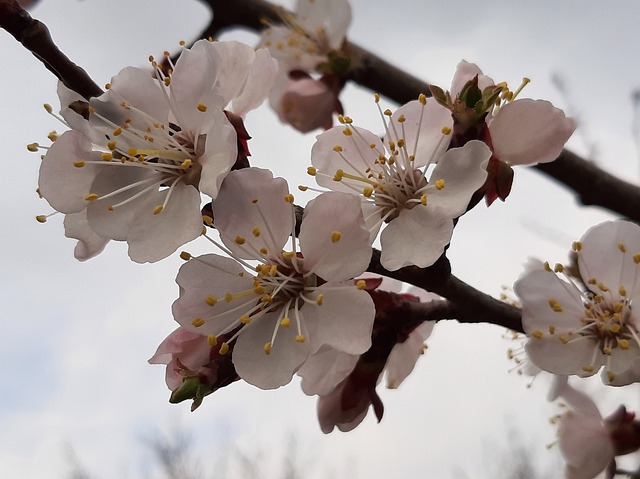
527	132
325	369
90	243
404	356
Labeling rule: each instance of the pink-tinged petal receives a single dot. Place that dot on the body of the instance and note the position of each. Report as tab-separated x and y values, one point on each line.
527	132
139	88
251	206
404	356
465	73
220	151
306	104
536	289
333	239
332	16
602	257
422	130
331	412
416	237
269	371
554	356
464	171
191	349
75	120
90	243
114	223
355	158
343	321
261	76
585	444
64	185
204	281
153	237
325	369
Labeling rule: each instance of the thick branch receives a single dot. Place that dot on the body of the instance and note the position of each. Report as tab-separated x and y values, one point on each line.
35	37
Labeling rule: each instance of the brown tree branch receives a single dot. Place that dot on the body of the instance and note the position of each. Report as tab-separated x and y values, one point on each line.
35	37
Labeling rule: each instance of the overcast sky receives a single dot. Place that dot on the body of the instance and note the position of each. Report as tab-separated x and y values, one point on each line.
76	336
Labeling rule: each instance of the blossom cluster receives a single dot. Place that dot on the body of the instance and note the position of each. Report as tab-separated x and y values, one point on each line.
161	159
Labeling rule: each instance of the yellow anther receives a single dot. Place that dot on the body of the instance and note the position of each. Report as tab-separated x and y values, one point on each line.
335	236
202	107
361	284
439	184
117	131
79	164
33	147
186	164
166	81
423	200
132	151
564	339
610	376
446	131
558	268
288	198
555	306
264	250
48	108
255	231
212	340
41	218
185	256
622	291
402	119
576	246
240	240
392	145
158	209
303	188
552	329
537	334
376	97
288	254
208	220
367	191
285	322
592	281
312	171
587	369
273	271
388	112
182	43
547	267
338	176
267	347
614	328
348	120
197	322
337	148
111	145
228	297
106	156
267	298
300	338
224	349
636	258
319	299
254	201
341	119
602	287
53	136
210	300
622	247
347	132
245	319
91	197
623	343
258	289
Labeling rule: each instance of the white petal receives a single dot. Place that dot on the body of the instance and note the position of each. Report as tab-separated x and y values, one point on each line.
90	243
421	130
356	157
153	237
343	321
404	356
552	355
269	371
585	445
260	78
527	132
333	239
465	72
64	185
265	223
416	237
464	172
601	257
325	369
206	277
